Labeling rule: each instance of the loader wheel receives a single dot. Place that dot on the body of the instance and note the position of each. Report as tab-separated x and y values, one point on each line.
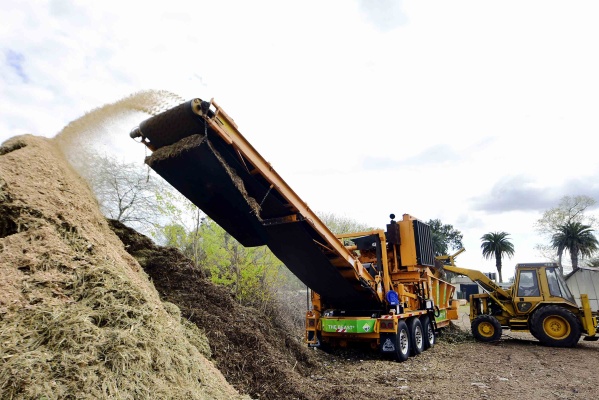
486	328
416	335
555	326
403	342
428	332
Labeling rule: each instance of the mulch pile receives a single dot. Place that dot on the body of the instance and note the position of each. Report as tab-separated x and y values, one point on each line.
257	352
79	318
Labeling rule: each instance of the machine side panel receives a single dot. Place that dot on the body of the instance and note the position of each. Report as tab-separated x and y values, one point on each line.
294	244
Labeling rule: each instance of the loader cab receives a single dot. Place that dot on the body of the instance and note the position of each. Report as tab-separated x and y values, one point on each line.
538	282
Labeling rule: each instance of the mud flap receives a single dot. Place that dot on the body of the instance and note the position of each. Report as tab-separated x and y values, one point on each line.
388	343
313	339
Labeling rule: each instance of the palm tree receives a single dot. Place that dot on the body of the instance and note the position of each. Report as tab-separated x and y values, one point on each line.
496	245
577	238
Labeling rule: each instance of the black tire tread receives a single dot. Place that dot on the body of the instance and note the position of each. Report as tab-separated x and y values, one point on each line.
399	355
412	324
490	319
536	326
426	325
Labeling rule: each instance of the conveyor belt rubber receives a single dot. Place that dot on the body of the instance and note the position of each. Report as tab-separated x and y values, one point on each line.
212	174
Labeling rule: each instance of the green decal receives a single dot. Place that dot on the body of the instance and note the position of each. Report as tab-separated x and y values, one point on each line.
442	315
347	325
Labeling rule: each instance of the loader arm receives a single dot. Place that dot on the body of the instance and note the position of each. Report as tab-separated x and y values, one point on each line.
500	296
481	279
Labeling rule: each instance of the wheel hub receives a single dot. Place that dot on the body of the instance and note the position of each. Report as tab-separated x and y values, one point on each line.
486	329
431	334
418	337
403	342
556	327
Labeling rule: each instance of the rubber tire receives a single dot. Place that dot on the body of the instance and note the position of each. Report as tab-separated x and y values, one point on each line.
558	318
486	328
403	343
416	335
428	332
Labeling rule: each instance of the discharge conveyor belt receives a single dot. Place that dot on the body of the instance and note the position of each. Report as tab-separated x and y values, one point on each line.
198	149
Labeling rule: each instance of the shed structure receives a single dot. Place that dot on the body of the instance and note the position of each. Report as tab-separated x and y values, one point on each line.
585	280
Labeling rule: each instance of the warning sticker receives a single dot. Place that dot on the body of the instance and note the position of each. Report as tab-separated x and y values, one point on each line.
388	345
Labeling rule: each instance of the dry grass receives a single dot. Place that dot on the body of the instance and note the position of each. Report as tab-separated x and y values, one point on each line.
107	341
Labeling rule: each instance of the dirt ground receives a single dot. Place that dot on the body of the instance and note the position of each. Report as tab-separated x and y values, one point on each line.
517	367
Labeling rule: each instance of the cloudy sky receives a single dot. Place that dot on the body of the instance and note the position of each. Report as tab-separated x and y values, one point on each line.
482	114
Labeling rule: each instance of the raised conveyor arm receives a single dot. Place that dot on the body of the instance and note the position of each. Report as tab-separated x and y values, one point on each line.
199	150
476	276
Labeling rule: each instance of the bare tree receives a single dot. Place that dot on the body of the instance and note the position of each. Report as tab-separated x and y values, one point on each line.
126	192
571	209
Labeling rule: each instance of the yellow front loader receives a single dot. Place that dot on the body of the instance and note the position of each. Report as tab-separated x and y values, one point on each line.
538	302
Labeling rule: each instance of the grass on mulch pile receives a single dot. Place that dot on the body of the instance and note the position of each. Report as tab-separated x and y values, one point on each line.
78	316
257	352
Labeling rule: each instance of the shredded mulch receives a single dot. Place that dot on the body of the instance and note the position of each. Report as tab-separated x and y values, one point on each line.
257	352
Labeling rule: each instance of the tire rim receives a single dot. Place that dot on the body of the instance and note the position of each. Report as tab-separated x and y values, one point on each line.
403	342
418	338
431	334
556	327
486	329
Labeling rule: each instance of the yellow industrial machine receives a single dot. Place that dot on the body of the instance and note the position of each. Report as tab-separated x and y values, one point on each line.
538	302
377	286
414	303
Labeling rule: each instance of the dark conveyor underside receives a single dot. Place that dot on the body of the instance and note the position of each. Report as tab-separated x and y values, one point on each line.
218	179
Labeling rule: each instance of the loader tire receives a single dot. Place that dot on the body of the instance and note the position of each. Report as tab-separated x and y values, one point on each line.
486	328
428	332
402	342
555	326
416	335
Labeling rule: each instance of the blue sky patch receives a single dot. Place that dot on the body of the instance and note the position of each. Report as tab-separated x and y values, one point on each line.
15	62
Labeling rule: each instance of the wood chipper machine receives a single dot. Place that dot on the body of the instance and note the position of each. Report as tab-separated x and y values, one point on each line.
375	286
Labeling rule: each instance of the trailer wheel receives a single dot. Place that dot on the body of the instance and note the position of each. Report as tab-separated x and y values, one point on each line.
486	328
416	335
403	342
555	326
428	332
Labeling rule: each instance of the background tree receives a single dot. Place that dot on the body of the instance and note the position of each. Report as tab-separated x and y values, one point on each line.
576	238
593	262
127	192
340	224
569	209
496	245
444	237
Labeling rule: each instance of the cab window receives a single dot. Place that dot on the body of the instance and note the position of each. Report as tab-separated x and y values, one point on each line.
553	282
557	285
528	286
